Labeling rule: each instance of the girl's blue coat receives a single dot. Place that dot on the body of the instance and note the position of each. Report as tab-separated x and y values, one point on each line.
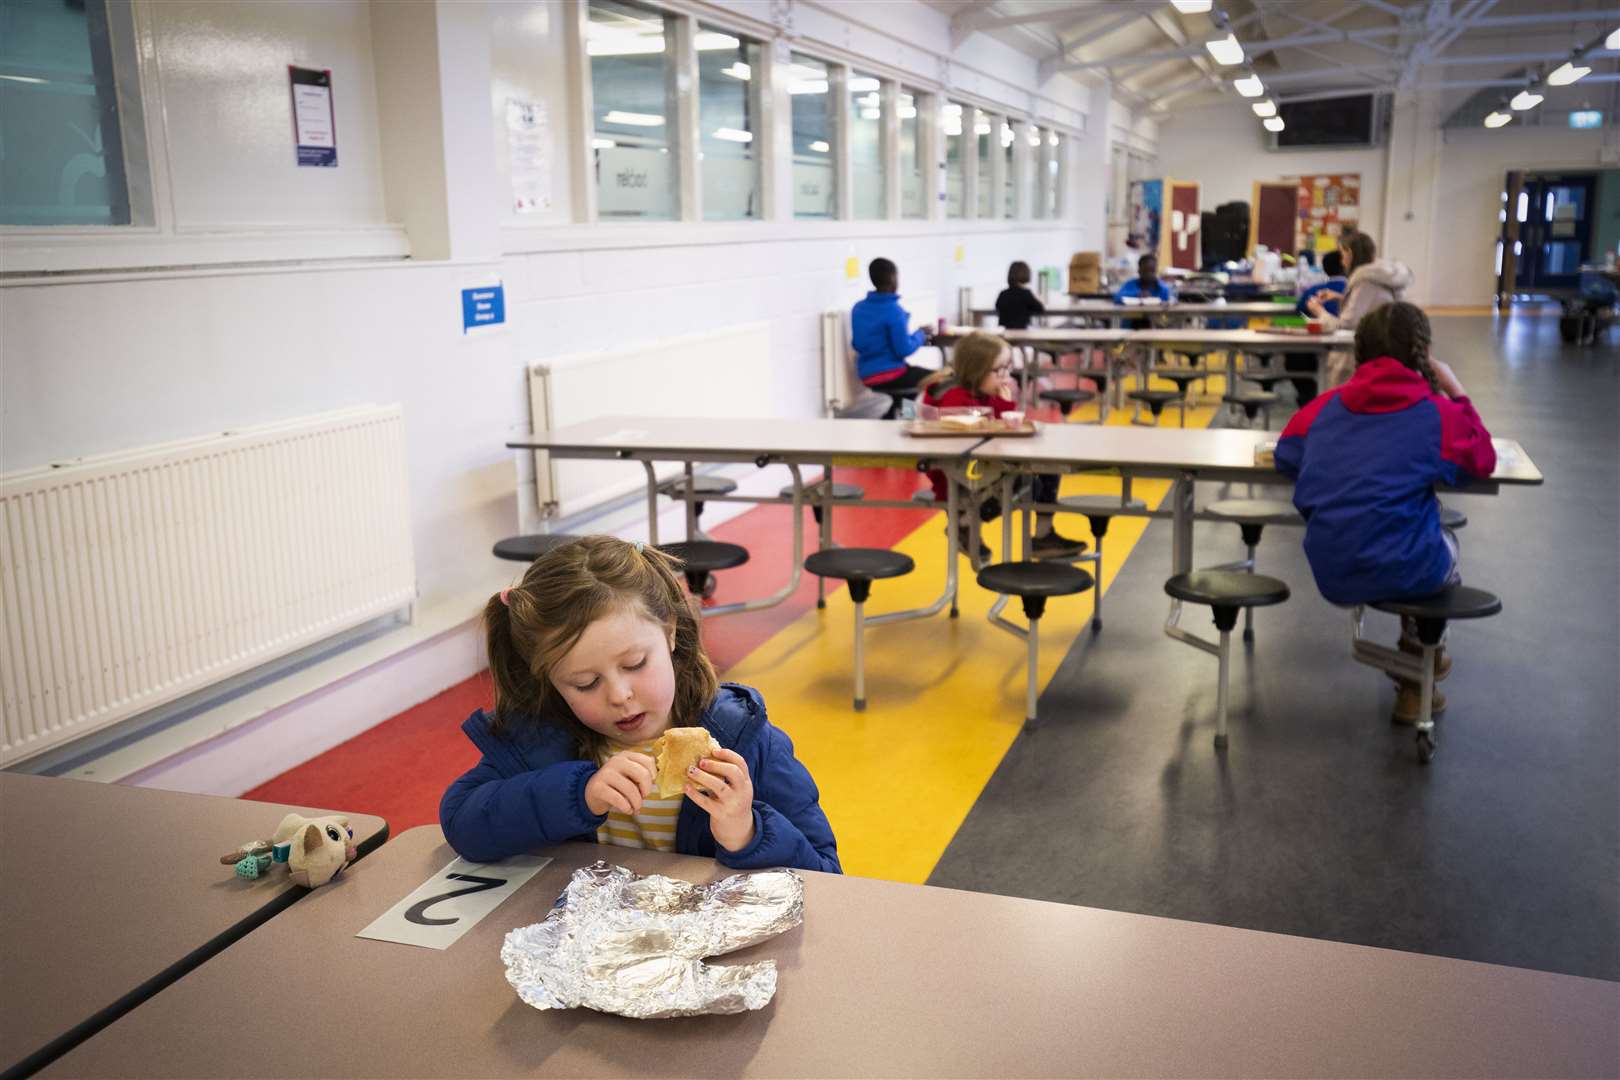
528	792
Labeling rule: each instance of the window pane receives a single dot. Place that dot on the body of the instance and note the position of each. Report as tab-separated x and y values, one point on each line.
632	77
866	144
912	204
983	130
1037	170
1009	183
728	119
815	176
1053	177
950	126
61	156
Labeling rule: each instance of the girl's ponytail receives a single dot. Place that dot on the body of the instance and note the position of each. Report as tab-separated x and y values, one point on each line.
518	691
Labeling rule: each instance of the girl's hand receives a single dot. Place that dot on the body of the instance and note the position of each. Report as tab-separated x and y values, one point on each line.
1446	379
722	787
1330	294
1314	305
621	784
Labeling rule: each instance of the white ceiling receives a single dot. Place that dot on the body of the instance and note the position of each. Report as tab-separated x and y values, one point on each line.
1153	56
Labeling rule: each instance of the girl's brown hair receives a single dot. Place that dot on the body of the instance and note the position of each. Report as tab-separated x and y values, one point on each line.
971	360
1398	330
530	627
1018	273
1363	252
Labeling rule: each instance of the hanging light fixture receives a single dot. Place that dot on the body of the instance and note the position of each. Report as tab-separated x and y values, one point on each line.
1192	7
1249	86
1567	73
1273	123
1497	119
1264	109
1612	42
1523	100
1226	51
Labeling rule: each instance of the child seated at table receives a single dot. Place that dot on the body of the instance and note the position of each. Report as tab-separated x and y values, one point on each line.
595	654
1365	458
1017	306
980	374
881	335
1146	284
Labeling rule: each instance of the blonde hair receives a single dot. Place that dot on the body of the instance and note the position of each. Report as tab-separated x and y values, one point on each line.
531	627
972	359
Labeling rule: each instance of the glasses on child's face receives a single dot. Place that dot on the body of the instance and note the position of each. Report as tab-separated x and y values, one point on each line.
1001	369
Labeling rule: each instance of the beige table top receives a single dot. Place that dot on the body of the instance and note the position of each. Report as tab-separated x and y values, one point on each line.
735	438
881	980
107	887
1192	336
1235	309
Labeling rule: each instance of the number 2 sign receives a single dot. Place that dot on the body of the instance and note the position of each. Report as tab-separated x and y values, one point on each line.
453	901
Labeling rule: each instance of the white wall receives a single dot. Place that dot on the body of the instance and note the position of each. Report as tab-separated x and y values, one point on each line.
1223	148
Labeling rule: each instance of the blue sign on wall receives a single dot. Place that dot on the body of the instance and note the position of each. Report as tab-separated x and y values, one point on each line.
1586	118
485	306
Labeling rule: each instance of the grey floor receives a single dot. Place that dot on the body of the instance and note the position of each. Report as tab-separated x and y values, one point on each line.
1317	820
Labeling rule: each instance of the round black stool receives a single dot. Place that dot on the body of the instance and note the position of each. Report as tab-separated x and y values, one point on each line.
1183	377
1452	519
700	558
1252	516
1266	378
1225	591
1033	582
859	567
1156	400
531	546
702	484
1431	613
1253	403
897	396
1098	509
1067	398
816	492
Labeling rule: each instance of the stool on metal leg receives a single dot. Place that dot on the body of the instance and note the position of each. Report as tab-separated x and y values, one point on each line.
824	493
1224	591
1033	582
530	546
1251	517
1098	509
1066	398
859	567
700	558
1155	400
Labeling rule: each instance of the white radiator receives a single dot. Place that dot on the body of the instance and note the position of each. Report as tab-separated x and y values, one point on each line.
840	387
135	578
716	374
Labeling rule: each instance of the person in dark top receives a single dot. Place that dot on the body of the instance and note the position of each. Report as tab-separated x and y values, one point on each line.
1016	307
1333	267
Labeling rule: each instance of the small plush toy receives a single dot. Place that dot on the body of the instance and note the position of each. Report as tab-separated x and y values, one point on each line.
314	849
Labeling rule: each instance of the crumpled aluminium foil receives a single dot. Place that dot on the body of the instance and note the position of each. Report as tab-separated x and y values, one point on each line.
621	943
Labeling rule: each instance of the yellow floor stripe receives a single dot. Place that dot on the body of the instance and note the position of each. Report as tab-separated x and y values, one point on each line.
945	697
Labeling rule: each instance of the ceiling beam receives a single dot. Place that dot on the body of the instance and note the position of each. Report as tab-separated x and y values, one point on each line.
1050	64
981	19
1253	48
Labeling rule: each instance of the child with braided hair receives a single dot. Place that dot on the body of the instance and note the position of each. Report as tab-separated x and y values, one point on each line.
1365	458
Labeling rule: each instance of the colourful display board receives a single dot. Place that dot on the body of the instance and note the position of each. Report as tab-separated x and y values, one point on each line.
1329	204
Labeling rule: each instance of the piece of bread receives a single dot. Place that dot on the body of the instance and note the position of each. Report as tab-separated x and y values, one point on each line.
677	750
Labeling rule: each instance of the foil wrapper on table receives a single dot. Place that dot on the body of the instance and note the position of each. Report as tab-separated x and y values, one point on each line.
622	943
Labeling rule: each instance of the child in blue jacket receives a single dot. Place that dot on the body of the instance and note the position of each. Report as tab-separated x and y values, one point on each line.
880	332
594	655
1365	458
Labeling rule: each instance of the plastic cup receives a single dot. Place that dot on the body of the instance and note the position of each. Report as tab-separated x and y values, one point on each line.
1014	418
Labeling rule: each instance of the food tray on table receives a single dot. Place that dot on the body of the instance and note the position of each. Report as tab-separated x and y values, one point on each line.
940	429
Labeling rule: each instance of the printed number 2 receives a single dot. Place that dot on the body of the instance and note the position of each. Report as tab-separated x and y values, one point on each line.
418	911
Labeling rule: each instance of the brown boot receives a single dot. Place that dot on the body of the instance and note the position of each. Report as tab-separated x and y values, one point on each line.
1442	660
1409	702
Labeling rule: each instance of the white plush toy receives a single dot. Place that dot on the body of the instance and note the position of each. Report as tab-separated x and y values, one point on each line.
314	849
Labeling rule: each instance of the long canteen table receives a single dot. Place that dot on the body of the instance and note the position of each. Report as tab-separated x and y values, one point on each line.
1114	313
1183	456
112	892
881	979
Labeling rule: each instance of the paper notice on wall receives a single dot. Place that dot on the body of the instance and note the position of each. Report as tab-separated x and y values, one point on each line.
528	155
314	129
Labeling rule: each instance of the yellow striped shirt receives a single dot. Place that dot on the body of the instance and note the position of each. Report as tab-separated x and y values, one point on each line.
653	827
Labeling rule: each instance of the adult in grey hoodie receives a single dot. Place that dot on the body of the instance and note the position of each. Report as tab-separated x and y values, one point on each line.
1373	283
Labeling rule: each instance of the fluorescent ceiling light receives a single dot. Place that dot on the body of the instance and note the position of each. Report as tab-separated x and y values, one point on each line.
1566	74
801	72
820	147
982	128
23	79
1263	109
708	39
858	85
953	127
633	119
739	70
951	108
1497	119
1273	123
809	86
871	100
1034	138
733	135
1193	7
1052	139
1612	42
871	114
907	112
1523	100
603	144
1250	86
1226	50
618	44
